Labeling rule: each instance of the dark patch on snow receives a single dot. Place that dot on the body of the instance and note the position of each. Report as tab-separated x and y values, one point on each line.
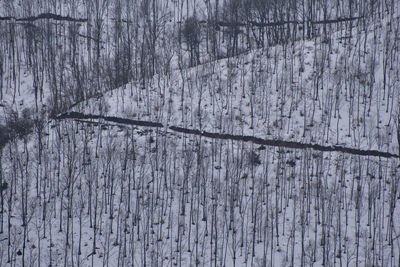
287	144
244	138
46	16
80	116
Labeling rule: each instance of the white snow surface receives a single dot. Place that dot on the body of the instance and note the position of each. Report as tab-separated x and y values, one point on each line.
146	197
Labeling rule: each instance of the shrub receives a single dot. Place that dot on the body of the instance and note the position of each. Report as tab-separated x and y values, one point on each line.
191	32
19	126
253	158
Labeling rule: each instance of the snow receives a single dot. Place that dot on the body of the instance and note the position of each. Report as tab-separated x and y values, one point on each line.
219	95
149	196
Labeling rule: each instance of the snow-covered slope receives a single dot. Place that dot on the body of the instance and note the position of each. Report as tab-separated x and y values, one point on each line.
338	92
94	193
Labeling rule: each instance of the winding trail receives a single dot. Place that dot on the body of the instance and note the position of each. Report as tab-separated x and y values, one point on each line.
256	140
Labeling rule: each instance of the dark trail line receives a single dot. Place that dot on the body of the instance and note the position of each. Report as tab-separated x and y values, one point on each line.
45	16
244	138
232	24
77	115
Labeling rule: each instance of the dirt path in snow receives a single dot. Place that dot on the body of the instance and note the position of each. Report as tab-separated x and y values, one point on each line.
256	140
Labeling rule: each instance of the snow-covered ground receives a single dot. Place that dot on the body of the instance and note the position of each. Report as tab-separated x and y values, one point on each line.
326	93
193	199
99	194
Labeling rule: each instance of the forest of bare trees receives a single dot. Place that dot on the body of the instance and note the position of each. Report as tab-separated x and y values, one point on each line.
199	133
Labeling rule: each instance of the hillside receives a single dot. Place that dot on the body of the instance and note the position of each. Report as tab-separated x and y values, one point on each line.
311	91
267	152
